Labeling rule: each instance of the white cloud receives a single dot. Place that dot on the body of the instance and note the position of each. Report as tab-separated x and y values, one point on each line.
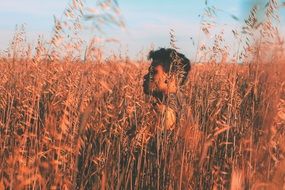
33	7
35	14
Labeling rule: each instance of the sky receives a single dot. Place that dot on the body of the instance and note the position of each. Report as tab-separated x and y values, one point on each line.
148	22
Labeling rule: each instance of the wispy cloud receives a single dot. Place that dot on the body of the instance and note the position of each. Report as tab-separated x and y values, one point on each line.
32	7
37	15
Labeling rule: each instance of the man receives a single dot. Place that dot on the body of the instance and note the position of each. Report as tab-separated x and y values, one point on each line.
164	81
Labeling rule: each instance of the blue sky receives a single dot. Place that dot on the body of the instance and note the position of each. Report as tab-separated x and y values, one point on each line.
148	22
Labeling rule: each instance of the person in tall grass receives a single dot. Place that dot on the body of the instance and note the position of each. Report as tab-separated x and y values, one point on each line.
164	81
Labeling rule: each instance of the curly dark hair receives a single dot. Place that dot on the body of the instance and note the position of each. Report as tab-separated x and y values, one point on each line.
172	62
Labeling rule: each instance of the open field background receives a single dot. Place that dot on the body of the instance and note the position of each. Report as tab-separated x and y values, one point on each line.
88	126
68	122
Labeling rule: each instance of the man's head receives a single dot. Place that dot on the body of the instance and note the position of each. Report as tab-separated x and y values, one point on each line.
167	73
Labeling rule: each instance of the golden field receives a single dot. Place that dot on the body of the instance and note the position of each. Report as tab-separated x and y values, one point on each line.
87	126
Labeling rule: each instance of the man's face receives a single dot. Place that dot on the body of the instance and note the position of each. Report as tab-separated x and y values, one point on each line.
157	81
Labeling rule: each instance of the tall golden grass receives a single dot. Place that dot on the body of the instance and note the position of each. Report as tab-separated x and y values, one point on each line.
73	124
